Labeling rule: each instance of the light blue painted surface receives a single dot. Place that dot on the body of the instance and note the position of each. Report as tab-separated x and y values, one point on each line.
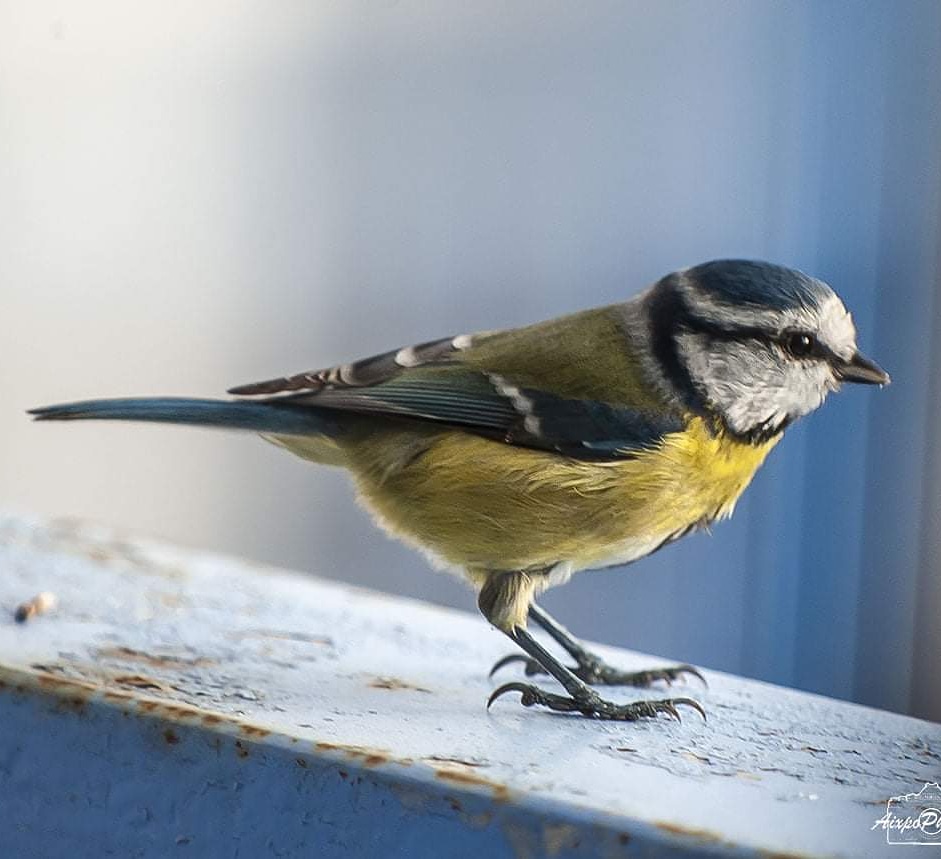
185	704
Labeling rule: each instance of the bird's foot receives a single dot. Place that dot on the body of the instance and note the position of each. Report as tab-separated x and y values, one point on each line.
596	672
595	706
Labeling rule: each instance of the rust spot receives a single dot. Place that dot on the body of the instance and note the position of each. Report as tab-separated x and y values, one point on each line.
147	706
51	681
702	835
174	712
500	791
255	731
240	749
369	757
211	719
139	681
171	737
158	660
394	684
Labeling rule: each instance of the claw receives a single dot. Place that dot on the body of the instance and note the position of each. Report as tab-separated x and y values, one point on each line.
647	678
507	660
527	699
692	670
689	702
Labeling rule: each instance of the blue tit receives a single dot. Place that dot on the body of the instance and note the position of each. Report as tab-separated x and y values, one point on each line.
519	457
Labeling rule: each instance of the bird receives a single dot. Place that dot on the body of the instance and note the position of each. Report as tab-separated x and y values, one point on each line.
521	456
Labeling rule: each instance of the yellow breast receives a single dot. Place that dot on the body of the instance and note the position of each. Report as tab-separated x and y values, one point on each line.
483	505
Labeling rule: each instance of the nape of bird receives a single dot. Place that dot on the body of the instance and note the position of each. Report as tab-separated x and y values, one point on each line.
519	457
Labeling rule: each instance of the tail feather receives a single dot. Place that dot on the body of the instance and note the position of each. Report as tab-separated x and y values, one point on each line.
279	418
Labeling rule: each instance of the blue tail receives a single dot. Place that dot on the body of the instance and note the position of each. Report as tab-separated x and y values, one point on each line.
279	418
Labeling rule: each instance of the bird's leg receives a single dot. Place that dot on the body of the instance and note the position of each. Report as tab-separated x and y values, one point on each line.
590	668
499	599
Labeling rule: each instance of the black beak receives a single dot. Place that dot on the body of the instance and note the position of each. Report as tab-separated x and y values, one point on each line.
860	369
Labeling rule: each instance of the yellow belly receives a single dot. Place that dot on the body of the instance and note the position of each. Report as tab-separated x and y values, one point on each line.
482	505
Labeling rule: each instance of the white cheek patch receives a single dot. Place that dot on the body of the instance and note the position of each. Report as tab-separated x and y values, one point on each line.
751	386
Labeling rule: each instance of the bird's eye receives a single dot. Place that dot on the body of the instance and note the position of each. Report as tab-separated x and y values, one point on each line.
800	344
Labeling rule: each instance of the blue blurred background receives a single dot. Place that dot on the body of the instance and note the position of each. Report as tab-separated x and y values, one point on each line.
197	195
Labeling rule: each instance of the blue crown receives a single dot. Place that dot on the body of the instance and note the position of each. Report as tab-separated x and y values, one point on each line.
735	281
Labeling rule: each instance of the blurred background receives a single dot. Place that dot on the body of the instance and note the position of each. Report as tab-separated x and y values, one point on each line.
198	195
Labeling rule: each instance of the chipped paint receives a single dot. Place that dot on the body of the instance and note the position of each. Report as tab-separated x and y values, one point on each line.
157	660
393	684
139	681
444	759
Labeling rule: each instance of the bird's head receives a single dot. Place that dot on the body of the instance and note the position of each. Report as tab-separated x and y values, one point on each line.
754	344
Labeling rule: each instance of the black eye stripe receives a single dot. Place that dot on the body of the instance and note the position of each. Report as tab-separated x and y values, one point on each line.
717	331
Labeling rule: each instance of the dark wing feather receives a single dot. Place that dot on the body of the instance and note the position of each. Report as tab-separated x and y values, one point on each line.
429	382
368	371
587	429
461	397
487	405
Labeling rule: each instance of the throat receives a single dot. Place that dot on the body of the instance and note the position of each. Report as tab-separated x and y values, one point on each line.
757	432
722	463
